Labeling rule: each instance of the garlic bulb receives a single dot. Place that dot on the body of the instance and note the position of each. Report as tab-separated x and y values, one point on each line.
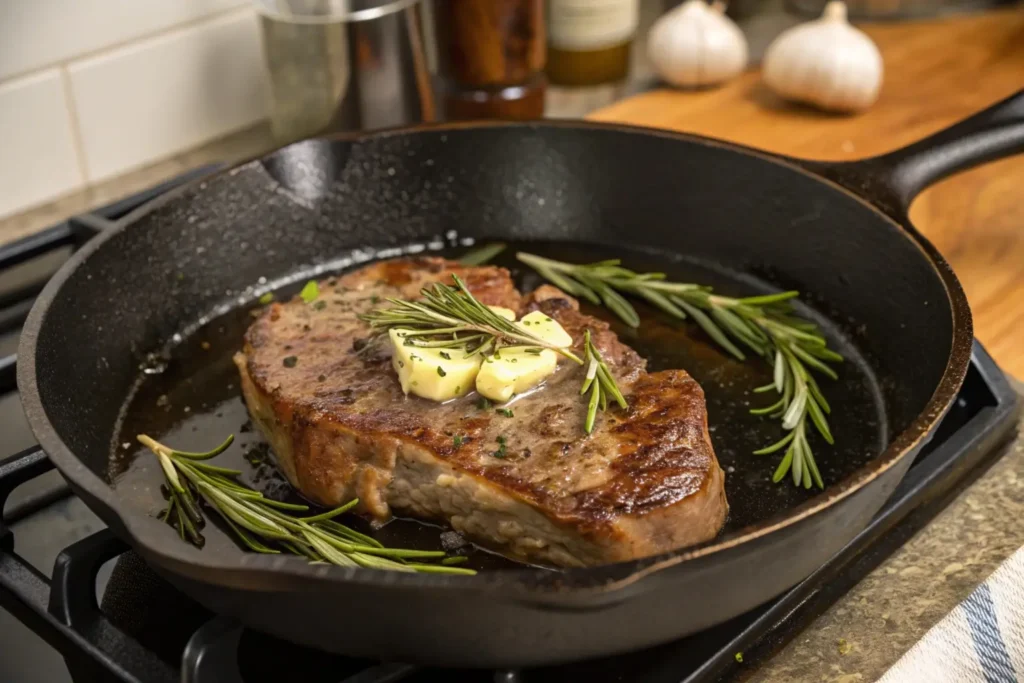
825	62
695	45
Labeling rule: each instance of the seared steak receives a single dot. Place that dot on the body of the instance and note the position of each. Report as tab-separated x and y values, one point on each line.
644	482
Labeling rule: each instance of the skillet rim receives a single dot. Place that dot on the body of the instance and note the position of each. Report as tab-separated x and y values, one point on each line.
277	570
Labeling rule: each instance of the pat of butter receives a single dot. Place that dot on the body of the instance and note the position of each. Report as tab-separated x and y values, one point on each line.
546	328
437	374
513	372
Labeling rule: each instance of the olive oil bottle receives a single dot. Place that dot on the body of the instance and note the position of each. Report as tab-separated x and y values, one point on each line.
589	41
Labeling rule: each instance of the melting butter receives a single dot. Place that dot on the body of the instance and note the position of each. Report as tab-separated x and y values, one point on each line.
443	374
437	374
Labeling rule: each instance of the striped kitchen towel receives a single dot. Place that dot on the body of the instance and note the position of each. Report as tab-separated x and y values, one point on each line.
981	641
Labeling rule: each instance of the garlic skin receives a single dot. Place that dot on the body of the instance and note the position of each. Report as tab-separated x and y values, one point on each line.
826	63
696	45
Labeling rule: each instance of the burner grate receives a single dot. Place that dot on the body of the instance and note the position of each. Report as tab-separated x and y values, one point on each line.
182	641
63	610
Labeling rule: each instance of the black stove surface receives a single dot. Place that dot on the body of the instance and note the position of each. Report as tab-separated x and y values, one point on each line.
112	619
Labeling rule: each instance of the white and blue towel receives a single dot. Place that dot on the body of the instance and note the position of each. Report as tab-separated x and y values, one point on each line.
981	641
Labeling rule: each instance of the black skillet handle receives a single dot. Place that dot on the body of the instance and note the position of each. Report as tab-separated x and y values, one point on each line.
892	180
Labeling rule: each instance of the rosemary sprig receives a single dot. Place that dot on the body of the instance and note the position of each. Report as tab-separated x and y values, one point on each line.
268	526
599	382
451	317
764	324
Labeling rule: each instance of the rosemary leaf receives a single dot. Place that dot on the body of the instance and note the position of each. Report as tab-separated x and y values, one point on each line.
281	505
812	385
482	255
797	467
203	456
778	445
591	372
400	553
214	469
824	353
818	417
172	474
769	298
188	505
784	464
440	569
609	386
595	400
780	371
767	410
331	514
181	525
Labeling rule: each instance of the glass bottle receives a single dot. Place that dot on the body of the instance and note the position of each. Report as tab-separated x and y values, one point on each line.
589	41
491	58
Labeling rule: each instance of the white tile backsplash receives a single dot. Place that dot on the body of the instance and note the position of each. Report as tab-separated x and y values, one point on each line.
158	96
38	160
38	33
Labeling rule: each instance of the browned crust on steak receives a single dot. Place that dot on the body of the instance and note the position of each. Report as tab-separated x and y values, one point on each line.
646	481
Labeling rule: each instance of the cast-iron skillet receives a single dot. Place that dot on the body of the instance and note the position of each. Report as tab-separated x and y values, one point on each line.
838	232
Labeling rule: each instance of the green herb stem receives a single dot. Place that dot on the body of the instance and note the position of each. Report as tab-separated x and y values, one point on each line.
268	526
482	255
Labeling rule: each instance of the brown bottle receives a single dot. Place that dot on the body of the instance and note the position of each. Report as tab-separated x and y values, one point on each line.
590	40
491	58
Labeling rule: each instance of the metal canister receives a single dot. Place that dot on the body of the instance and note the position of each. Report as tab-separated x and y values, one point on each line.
339	65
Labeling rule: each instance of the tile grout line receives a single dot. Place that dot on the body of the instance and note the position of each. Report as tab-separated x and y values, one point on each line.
76	129
126	42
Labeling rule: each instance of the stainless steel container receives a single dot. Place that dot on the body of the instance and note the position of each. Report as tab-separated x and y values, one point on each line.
338	65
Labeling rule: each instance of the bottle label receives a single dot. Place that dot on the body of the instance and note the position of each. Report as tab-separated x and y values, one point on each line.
591	24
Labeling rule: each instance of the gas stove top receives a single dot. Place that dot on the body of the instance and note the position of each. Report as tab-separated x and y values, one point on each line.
103	615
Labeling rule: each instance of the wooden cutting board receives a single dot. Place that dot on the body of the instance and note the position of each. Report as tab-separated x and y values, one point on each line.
936	72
